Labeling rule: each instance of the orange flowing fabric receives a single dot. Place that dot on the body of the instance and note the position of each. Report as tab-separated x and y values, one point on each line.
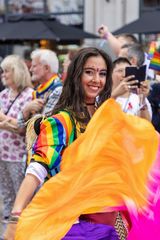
106	168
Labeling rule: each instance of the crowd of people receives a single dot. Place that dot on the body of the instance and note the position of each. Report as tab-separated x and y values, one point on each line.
77	148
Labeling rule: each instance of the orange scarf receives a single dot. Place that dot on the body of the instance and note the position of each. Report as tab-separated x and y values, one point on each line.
106	168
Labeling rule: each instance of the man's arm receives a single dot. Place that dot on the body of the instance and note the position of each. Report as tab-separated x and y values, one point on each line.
144	113
112	40
52	101
126	85
145	110
35	106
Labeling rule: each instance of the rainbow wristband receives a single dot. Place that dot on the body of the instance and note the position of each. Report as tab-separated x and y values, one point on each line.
106	35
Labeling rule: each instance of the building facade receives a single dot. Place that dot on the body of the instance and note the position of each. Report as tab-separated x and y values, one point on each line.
87	14
113	13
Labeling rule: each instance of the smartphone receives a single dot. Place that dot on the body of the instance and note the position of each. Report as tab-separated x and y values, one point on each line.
139	73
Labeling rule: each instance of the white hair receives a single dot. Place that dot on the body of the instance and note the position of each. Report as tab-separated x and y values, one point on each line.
48	57
20	72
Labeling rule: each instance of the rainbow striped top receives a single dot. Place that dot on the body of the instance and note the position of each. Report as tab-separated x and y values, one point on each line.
56	133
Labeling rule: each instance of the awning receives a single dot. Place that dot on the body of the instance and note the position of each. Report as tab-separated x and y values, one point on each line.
148	23
37	29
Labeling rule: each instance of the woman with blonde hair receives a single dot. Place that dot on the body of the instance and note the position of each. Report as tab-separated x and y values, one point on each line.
18	92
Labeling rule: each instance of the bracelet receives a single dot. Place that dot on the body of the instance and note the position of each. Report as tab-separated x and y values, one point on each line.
105	36
143	107
13	219
16	213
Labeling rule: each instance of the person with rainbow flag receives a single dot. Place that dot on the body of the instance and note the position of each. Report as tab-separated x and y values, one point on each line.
154	56
44	71
109	168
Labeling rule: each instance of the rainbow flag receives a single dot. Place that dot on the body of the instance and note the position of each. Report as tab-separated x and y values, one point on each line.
152	49
155	61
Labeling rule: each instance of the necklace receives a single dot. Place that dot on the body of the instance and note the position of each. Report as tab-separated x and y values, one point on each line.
90	104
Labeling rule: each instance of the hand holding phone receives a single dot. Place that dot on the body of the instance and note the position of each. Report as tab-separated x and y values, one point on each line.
139	73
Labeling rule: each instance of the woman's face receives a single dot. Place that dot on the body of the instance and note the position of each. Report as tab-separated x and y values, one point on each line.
7	77
94	77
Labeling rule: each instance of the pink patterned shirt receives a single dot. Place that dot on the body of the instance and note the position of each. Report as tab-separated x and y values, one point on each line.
12	145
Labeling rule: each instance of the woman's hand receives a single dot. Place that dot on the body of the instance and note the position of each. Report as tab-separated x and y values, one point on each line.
10	231
2	116
7	124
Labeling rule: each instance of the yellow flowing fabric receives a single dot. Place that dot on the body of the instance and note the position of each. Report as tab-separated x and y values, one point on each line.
105	167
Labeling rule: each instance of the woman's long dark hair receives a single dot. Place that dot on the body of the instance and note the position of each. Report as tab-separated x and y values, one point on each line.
72	96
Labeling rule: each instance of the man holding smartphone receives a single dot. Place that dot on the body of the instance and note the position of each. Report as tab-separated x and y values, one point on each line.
131	97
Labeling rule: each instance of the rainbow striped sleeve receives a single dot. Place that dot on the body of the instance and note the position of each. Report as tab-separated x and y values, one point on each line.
56	133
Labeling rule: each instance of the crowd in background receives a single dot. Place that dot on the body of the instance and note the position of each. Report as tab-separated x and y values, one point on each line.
31	94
